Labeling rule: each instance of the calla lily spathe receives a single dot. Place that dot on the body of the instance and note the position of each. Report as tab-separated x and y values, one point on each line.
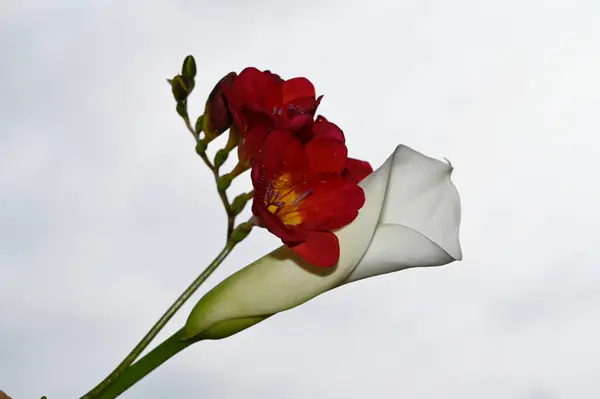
411	218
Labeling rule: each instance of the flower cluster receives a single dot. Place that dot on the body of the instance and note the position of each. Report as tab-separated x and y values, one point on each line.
305	185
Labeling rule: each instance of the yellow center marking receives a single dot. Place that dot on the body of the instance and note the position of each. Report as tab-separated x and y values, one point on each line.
282	201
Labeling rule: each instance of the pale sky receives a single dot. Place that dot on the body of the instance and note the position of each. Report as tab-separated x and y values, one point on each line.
107	213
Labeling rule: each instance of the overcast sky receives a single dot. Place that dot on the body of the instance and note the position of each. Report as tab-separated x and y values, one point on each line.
107	213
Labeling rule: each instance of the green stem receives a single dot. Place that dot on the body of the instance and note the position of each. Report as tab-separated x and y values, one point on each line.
215	171
163	352
222	195
143	344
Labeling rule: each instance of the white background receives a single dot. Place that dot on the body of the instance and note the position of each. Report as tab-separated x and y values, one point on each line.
106	212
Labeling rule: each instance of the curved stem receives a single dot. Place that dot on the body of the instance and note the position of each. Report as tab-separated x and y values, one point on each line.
222	195
163	352
215	172
143	344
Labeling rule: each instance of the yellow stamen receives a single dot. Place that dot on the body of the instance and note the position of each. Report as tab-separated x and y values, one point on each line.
283	200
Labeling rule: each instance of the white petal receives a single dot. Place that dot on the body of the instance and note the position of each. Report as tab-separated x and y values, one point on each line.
395	248
420	221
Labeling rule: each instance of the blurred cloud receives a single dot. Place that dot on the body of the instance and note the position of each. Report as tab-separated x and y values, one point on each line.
106	213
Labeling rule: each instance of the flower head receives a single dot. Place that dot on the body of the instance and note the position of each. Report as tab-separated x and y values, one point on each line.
301	194
261	101
305	185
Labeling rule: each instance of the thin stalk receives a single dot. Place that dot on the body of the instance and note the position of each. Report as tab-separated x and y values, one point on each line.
217	176
143	344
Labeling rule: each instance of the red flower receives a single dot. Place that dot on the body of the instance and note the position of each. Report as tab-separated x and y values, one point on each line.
304	183
262	101
300	193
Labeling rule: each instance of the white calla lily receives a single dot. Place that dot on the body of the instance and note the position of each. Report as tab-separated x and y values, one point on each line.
411	218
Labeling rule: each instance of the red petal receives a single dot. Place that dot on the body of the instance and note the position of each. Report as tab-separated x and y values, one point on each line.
301	122
257	175
297	88
333	202
320	248
283	152
301	106
356	170
323	129
256	90
254	138
318	101
326	156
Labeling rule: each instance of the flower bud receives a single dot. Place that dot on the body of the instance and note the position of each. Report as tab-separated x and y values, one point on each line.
239	202
241	232
201	147
224	182
181	87
221	157
188	68
217	117
199	124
